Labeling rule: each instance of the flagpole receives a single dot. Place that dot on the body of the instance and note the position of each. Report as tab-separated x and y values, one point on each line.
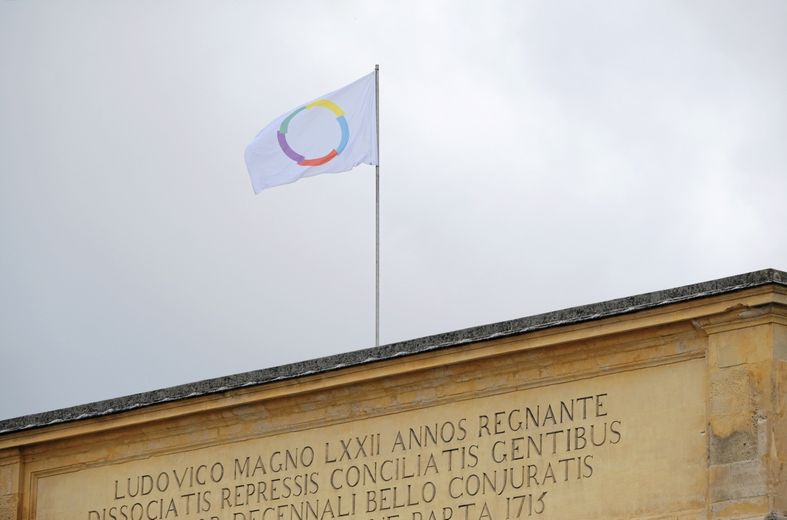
377	212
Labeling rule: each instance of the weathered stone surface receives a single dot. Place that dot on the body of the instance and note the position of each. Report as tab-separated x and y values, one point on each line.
663	406
736	447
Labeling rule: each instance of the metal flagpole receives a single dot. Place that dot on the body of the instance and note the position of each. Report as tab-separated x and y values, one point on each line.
377	212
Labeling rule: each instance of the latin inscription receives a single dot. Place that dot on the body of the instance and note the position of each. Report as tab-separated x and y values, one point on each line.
502	463
615	446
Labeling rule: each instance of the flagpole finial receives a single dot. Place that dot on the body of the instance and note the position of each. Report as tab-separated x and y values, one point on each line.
376	66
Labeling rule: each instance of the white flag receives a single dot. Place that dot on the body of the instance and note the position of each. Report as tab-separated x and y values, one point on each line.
334	133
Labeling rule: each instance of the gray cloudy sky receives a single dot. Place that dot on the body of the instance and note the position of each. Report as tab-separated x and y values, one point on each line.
535	155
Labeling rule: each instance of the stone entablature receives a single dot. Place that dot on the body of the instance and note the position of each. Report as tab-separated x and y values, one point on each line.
668	405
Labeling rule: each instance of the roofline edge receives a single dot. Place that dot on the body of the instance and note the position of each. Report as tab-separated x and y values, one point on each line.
569	316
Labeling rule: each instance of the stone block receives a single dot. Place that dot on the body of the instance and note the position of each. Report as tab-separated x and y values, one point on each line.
736	447
743	346
9	507
9	479
742	509
739	480
731	392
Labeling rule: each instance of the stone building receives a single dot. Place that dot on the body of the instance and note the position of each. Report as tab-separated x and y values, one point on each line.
668	405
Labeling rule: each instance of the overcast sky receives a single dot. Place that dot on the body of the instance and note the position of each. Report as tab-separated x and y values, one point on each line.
535	155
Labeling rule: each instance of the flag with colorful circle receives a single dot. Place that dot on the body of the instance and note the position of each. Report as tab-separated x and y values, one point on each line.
334	133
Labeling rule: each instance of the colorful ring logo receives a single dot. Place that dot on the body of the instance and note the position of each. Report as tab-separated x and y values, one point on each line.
298	158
